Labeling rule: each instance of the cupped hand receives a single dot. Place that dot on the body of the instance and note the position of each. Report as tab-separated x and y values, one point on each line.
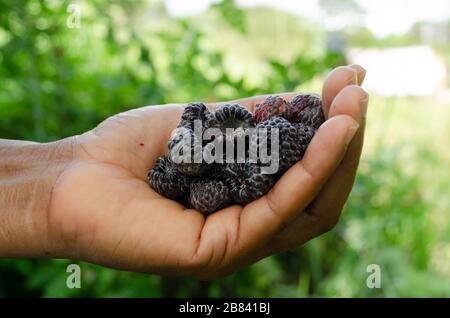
103	211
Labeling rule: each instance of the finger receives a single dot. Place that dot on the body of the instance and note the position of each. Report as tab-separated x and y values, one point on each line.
352	101
247	232
360	72
298	186
323	214
336	81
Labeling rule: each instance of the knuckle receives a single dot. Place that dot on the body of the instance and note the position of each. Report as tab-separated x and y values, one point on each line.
272	205
197	265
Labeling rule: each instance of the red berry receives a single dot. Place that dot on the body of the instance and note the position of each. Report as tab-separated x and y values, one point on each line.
273	106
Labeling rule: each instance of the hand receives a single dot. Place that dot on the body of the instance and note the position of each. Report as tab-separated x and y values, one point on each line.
103	211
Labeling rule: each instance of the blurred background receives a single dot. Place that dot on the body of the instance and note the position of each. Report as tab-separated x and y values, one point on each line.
67	65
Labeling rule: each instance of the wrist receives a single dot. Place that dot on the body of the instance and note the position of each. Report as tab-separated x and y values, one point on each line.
28	173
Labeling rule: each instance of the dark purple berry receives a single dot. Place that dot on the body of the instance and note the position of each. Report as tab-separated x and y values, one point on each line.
193	112
208	195
307	109
234	121
305	135
165	179
290	145
246	182
186	152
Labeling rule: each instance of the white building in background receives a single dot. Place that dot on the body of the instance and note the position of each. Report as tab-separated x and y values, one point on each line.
403	71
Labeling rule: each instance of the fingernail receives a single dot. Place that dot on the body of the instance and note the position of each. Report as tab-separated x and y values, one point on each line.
360	72
351	133
363	103
361	75
353	80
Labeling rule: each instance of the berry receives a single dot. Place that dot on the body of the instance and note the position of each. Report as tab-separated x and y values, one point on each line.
185	176
233	116
208	195
193	169
217	171
291	143
306	133
186	152
307	108
246	182
165	179
193	112
273	106
239	119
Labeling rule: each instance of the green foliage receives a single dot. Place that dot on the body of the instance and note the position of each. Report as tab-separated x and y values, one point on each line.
363	37
234	16
56	82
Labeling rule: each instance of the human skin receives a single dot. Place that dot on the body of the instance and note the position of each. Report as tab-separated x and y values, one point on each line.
86	197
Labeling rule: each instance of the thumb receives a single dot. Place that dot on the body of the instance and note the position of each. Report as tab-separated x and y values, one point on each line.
299	185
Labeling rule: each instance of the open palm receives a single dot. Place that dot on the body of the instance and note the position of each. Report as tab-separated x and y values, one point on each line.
104	212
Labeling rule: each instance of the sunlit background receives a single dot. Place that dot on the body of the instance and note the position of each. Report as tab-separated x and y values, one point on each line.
59	77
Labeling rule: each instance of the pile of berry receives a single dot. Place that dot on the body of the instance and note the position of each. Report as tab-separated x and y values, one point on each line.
208	187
